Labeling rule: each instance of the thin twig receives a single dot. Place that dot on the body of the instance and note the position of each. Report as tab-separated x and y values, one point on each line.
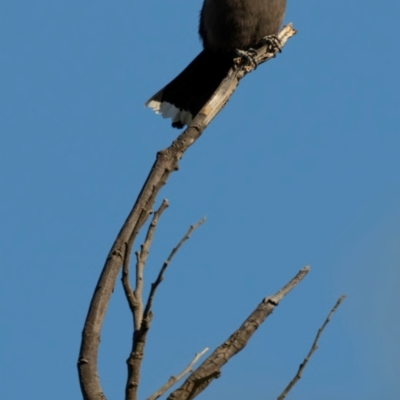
129	294
141	258
160	276
134	296
310	353
211	367
174	379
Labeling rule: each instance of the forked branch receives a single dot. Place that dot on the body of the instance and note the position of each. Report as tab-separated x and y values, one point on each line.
135	358
134	297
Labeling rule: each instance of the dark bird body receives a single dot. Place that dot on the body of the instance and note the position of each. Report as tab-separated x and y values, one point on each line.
225	25
239	24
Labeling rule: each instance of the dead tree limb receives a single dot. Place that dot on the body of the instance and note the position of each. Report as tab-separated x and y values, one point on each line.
134	361
310	353
171	381
211	367
166	162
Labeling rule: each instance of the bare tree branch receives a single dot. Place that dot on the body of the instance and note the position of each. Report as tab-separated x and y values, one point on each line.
211	367
141	257
160	276
166	162
310	353
174	379
134	361
134	297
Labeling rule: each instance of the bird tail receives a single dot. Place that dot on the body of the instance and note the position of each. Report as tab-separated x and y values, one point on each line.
185	96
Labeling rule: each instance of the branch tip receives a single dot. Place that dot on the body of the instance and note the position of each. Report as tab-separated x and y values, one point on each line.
174	379
314	347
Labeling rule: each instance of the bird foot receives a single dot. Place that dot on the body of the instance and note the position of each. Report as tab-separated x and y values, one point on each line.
273	43
247	55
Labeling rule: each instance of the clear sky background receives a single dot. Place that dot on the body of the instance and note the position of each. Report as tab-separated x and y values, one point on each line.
301	167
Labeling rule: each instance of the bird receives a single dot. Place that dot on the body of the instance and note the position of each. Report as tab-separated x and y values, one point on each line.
227	28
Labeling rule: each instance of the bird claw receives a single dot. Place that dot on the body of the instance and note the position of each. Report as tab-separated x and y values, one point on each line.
247	55
273	43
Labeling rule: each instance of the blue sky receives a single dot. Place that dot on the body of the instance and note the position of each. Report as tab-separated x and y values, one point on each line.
301	167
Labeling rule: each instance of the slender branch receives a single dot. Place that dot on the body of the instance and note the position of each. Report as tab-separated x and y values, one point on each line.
141	258
160	276
166	163
130	296
310	353
211	367
174	379
134	297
